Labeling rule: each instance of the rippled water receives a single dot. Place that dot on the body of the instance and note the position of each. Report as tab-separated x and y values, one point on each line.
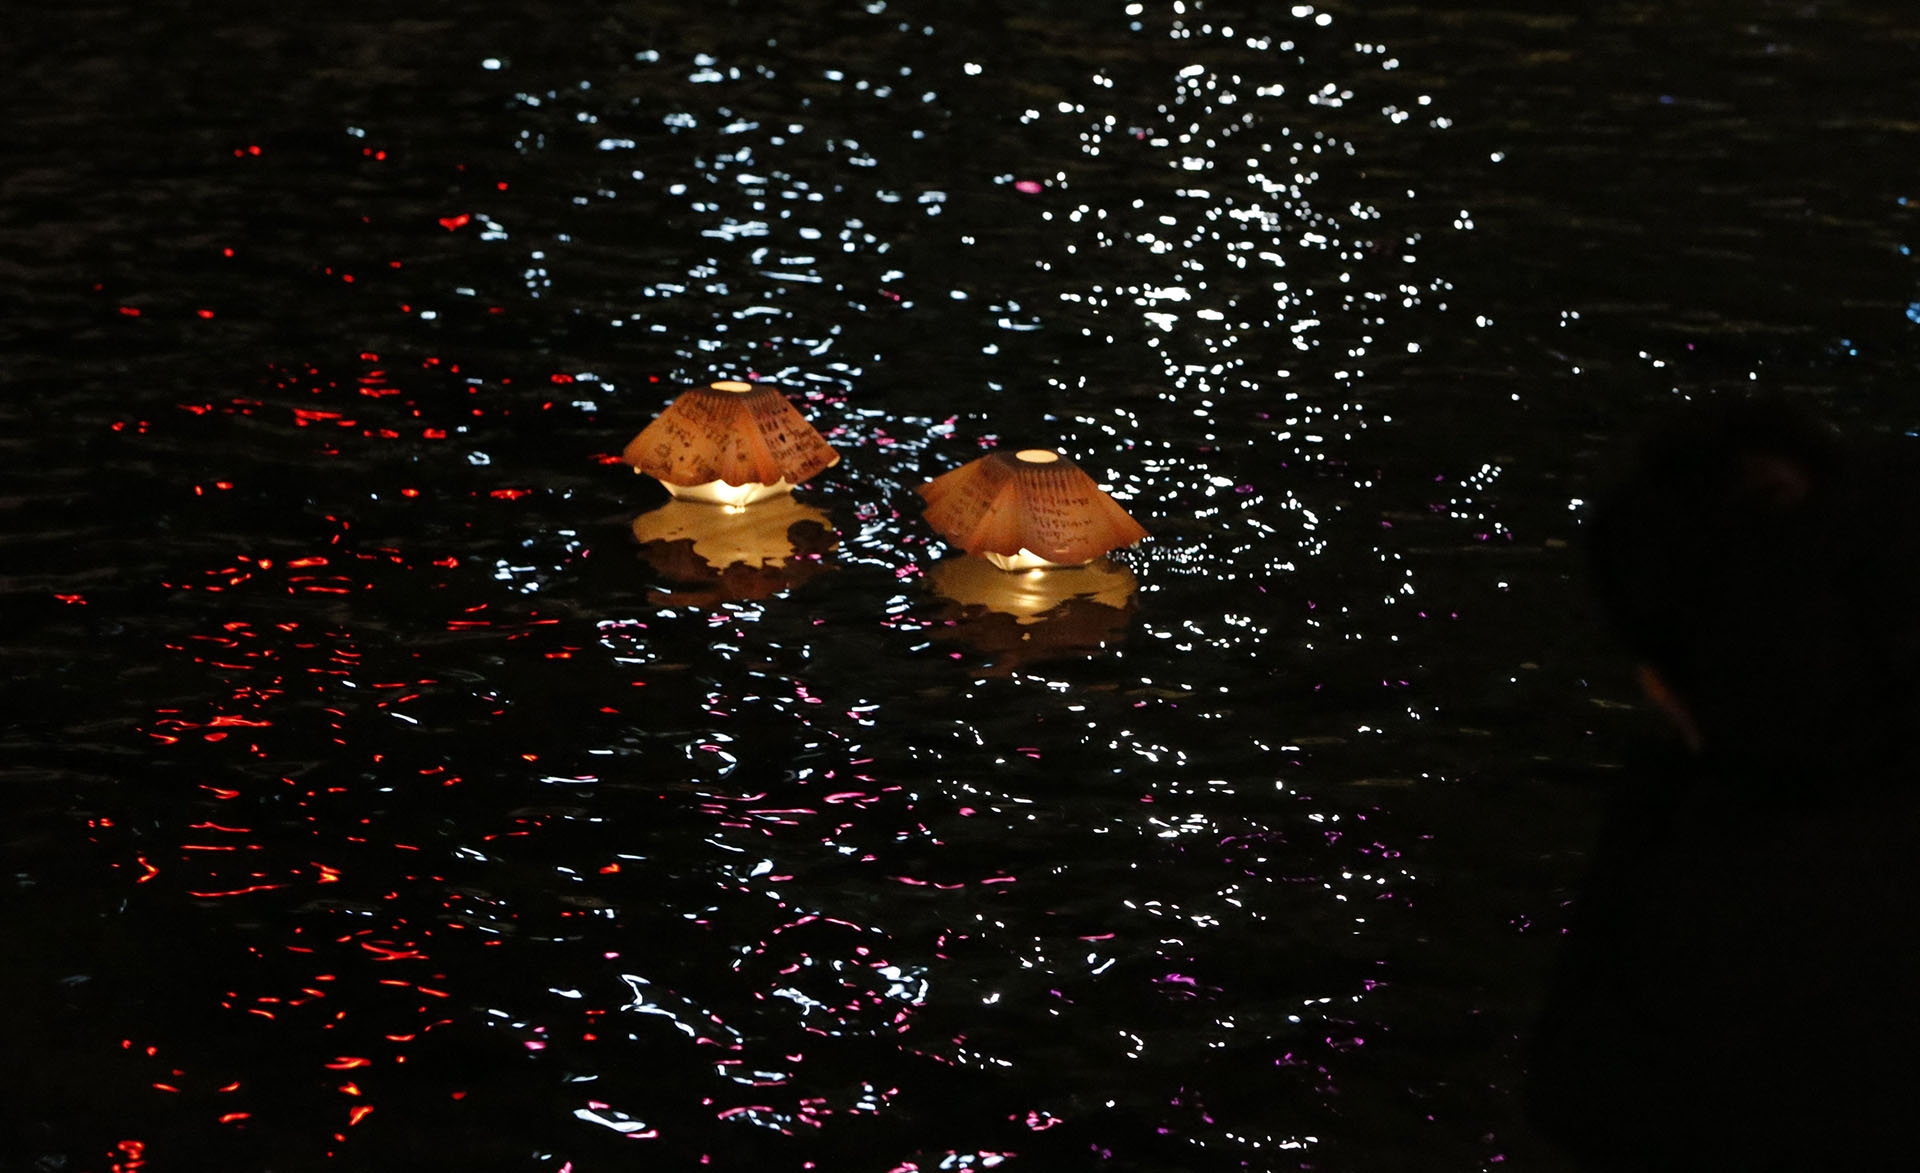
374	800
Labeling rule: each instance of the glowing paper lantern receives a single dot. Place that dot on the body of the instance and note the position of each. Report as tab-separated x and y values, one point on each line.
729	444
1026	510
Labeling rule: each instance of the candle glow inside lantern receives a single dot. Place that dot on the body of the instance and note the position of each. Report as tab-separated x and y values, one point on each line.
729	444
1027	510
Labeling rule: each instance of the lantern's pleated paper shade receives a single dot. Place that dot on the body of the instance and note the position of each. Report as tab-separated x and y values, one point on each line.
740	433
1034	500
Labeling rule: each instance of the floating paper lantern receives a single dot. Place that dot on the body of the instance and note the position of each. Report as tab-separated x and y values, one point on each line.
729	444
1026	510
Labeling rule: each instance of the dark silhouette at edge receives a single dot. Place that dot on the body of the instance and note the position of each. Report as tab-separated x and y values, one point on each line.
1738	986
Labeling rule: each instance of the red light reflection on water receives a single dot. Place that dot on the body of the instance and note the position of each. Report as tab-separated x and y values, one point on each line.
430	403
271	689
289	755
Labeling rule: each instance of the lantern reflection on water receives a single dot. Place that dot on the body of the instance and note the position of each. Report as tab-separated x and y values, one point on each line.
1030	596
1021	616
730	443
1025	510
736	553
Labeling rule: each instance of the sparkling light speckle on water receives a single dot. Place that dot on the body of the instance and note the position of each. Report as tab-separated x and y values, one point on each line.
448	825
775	837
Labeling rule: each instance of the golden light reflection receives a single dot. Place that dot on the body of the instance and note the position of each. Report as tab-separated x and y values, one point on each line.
742	552
1034	614
1030	596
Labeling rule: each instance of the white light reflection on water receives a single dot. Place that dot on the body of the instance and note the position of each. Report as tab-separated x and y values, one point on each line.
1096	870
426	737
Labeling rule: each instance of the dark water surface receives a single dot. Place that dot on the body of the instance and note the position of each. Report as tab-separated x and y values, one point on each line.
372	801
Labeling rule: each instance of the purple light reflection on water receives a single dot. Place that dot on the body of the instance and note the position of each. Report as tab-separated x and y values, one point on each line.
560	828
